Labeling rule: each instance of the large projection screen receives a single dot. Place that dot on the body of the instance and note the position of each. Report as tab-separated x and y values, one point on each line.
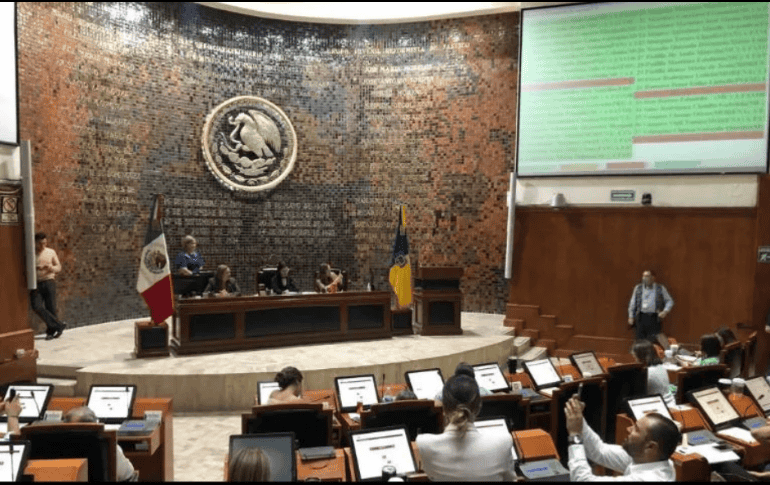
9	118
643	88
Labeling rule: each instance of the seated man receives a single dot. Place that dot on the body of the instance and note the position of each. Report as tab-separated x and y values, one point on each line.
12	409
763	436
83	414
644	456
327	280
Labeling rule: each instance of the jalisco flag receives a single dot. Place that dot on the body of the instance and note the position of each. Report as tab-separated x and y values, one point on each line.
154	274
400	276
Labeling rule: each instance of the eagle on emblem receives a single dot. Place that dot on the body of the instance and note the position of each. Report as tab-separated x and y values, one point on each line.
255	135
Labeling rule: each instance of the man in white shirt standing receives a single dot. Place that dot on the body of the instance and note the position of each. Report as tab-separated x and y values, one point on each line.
643	457
649	305
44	297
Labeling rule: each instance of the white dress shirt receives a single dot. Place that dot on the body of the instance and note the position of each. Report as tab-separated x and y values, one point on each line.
449	457
615	458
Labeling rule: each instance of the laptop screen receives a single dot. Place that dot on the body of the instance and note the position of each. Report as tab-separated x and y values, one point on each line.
760	391
649	404
374	449
113	403
279	449
264	389
354	389
34	399
490	377
543	373
13	460
425	384
587	363
497	426
715	406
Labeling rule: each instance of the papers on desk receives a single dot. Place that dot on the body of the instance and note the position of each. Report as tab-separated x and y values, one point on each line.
739	434
112	427
710	453
548	391
355	417
674	367
680	407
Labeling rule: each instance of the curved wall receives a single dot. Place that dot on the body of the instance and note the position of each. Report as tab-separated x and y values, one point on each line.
114	97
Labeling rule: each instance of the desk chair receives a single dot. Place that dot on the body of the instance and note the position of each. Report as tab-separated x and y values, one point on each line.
749	357
623	381
310	422
75	440
733	355
265	278
419	416
690	378
595	399
513	407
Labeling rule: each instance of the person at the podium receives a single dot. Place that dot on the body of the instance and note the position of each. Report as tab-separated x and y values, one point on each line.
328	281
222	284
189	262
281	282
649	305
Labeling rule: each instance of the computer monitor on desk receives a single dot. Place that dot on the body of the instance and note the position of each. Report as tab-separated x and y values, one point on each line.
587	363
759	390
495	425
354	389
111	404
264	389
649	404
374	449
279	449
491	377
13	460
425	384
34	399
191	285
543	375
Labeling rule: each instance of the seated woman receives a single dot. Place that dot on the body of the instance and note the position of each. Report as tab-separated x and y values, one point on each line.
465	369
461	453
657	375
709	350
222	284
290	382
249	465
281	283
327	280
725	336
189	261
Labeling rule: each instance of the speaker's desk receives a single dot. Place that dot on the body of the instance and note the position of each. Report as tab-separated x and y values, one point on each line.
152	455
62	470
251	322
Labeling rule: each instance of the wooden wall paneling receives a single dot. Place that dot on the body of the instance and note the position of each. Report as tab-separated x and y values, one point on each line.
761	287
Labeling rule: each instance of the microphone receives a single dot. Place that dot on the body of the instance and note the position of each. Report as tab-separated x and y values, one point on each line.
13	468
383	386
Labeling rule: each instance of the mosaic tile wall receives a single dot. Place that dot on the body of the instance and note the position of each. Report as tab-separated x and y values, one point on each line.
114	97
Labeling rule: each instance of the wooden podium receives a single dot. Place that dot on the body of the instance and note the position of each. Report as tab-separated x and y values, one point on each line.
438	301
151	340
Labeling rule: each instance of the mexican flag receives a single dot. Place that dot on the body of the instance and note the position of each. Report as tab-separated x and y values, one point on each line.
154	283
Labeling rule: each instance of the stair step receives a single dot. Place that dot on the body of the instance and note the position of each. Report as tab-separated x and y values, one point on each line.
531	333
524	312
62	387
521	345
548	343
517	323
534	353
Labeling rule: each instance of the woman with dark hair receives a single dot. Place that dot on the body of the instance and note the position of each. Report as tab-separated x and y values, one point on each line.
222	284
281	283
709	350
461	453
249	465
657	374
725	336
290	382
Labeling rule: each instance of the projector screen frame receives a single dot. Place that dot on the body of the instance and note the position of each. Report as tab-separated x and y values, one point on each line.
17	142
600	174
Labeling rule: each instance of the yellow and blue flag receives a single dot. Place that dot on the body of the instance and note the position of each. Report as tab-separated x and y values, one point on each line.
400	276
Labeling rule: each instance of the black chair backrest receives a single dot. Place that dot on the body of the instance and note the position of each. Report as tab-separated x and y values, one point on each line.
48	444
512	407
417	419
696	377
265	276
595	398
732	356
623	381
310	427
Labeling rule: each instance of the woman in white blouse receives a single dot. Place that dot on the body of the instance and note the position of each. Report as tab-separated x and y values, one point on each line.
657	374
461	452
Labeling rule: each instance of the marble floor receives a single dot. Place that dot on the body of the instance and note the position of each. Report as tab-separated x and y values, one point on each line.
200	444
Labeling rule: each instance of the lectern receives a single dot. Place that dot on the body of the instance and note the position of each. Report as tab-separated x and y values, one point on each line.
151	340
438	301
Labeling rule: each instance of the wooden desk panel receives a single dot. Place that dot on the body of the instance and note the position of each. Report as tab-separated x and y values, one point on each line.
241	323
156	464
326	470
62	470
